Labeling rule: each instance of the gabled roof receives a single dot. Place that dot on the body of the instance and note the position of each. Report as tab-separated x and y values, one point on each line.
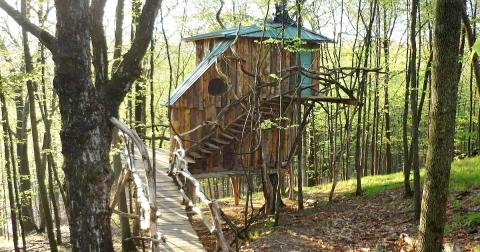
272	30
220	48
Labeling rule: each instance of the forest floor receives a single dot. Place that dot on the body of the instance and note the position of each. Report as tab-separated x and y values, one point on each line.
381	220
38	242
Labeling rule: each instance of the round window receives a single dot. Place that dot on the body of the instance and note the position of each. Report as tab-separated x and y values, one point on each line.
217	87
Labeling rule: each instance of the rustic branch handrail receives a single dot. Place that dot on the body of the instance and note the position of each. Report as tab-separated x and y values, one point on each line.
146	195
180	168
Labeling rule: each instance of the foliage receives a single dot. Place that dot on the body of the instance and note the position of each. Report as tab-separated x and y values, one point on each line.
464	175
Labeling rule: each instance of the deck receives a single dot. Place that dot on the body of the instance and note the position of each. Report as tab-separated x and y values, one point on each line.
173	221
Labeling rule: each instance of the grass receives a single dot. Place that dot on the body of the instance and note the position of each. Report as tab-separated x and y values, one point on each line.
465	174
257	232
461	221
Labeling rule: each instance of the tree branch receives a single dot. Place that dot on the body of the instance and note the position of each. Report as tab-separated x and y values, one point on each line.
99	42
44	36
117	51
130	67
217	16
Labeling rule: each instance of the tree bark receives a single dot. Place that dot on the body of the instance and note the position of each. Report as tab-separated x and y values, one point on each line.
86	108
442	126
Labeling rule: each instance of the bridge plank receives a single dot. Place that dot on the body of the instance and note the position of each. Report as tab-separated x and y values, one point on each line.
173	221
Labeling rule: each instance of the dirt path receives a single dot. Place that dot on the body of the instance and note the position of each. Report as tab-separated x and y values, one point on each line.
381	223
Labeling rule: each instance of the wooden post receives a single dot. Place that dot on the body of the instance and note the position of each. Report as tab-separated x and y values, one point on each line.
235	189
190	191
222	244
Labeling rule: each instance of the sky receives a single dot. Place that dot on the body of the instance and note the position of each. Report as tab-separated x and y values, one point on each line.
201	14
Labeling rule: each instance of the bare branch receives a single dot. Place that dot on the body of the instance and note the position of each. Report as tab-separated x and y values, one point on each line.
44	36
217	16
130	67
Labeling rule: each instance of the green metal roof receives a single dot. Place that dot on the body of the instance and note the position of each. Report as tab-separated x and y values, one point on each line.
272	30
199	70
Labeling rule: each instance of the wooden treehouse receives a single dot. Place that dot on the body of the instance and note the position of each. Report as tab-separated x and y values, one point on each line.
226	110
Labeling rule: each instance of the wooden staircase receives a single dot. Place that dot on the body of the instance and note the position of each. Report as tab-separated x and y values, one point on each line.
231	133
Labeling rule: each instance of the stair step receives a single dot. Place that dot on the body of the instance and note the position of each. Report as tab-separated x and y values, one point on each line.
205	151
269	108
270	103
195	155
232	130
220	141
189	160
212	146
227	136
239	125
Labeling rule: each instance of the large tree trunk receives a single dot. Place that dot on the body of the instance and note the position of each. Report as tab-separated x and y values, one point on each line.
442	125
86	134
86	108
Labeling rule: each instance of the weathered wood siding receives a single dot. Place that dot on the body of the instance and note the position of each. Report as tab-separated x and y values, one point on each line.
197	106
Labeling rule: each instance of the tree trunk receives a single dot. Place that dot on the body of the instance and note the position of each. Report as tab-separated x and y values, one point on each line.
386	105
22	147
470	34
362	91
442	126
8	168
51	192
413	160
40	168
267	186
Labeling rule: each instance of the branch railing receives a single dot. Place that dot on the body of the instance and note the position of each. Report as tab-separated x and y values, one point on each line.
179	170
145	193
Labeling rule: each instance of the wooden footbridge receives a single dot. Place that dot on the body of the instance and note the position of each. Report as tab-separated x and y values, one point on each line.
160	197
172	223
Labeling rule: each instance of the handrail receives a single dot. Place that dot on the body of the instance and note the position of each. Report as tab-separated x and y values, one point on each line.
145	193
179	169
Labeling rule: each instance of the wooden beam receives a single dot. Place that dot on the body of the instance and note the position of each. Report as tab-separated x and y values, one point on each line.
229	173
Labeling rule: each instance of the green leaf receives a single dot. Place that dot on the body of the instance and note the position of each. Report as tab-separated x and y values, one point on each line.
476	47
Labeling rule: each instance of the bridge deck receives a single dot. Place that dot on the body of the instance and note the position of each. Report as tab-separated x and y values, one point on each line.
173	222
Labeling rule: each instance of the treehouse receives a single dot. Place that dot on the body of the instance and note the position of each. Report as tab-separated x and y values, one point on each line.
225	112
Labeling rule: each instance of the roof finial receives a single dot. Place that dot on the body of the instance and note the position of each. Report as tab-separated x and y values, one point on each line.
281	14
